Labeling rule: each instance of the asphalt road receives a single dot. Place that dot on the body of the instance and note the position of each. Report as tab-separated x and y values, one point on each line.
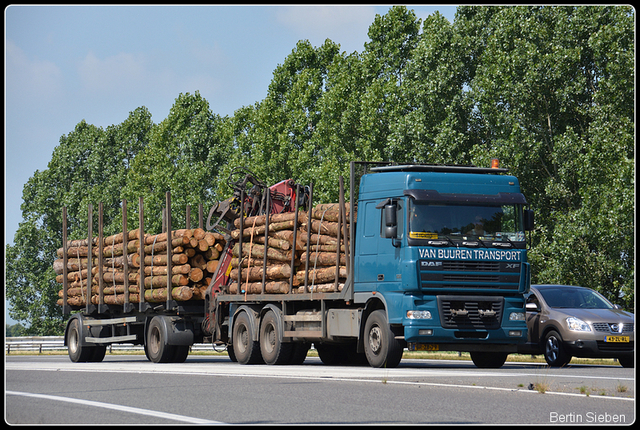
213	390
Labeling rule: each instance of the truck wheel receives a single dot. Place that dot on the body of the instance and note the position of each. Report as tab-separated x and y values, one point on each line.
77	352
232	355
488	360
329	354
299	352
380	345
246	350
99	352
181	352
554	351
273	350
156	348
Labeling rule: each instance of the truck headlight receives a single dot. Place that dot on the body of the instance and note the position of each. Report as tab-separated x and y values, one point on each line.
419	315
516	316
576	324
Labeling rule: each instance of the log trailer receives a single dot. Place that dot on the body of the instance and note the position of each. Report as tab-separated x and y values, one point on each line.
422	257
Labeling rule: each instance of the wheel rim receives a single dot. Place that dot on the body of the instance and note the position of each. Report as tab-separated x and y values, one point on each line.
154	341
243	337
552	348
375	339
73	341
269	338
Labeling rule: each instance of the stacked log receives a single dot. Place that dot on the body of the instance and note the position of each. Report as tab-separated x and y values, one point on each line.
287	261
194	255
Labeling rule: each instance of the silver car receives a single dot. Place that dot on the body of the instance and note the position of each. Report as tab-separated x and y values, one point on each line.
565	321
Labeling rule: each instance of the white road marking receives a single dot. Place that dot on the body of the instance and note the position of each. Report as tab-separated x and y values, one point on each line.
121	408
324	373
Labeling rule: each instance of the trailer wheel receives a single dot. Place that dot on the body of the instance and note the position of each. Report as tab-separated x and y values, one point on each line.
380	345
181	352
156	348
488	360
330	354
246	350
273	350
77	352
299	352
98	354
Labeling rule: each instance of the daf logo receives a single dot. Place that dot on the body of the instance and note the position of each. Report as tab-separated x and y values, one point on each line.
432	263
616	328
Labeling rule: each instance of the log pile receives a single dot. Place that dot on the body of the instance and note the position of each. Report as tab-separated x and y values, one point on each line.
324	256
195	256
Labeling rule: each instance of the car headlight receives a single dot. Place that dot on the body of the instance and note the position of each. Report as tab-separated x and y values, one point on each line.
576	324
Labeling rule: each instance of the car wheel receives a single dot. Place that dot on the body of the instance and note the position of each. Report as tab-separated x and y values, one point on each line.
554	350
627	362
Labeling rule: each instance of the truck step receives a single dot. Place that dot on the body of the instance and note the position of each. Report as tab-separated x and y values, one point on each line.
113	339
109	321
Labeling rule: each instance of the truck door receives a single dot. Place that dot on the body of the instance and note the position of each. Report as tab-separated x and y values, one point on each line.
367	247
376	259
388	250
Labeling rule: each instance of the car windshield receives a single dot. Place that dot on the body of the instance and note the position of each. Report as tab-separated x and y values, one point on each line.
501	223
582	298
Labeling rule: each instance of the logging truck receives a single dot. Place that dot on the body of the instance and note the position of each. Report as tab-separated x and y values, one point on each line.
420	257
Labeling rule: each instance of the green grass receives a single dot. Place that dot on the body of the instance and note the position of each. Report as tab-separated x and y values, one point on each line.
443	355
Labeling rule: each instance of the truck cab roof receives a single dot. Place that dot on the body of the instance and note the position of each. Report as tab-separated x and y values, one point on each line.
393	181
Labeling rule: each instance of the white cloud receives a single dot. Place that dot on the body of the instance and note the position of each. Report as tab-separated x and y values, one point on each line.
28	78
346	25
119	73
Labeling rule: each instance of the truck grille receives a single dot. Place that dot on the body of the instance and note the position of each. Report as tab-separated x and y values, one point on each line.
469	274
470	312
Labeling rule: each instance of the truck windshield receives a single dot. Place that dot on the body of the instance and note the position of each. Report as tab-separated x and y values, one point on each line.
451	222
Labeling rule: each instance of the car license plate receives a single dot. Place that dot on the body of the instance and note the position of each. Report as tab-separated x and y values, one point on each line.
618	339
426	347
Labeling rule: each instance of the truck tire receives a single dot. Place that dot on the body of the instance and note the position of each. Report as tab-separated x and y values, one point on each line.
181	352
99	352
488	360
554	352
380	345
330	354
246	350
299	352
232	355
156	347
77	352
273	350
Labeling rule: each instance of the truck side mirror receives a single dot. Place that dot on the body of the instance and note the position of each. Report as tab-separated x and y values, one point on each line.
528	220
390	214
391	223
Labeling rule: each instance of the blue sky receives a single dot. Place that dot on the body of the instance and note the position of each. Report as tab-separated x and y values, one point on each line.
64	64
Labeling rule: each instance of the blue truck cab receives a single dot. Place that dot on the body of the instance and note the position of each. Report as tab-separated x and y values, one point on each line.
444	248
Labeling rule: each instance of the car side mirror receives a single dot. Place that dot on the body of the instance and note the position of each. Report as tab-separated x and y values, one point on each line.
532	307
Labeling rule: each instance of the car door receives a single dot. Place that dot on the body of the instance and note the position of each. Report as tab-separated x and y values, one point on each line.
533	319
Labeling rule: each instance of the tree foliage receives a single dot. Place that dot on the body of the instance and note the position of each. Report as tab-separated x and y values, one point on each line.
548	90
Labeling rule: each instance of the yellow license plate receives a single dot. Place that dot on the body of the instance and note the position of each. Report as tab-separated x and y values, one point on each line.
427	347
619	339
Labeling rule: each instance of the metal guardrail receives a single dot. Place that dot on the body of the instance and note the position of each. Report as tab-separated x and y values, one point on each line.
56	343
